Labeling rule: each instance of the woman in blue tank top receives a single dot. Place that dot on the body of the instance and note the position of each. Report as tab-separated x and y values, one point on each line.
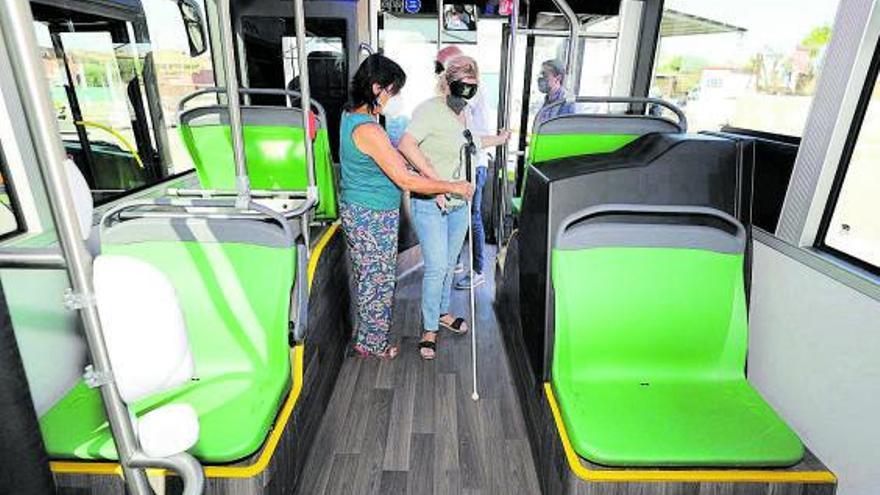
373	175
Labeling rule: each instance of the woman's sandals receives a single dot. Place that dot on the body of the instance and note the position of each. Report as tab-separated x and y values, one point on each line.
388	354
428	349
458	325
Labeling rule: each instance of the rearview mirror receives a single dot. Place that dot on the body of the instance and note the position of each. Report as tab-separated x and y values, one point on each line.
460	23
194	23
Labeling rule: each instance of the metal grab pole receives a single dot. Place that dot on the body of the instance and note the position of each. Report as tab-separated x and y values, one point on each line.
304	88
571	65
16	25
242	182
439	23
504	123
305	104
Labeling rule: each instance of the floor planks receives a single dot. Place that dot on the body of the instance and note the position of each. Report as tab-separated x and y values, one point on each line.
410	427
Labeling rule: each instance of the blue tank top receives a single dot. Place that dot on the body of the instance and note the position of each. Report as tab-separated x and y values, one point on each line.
363	182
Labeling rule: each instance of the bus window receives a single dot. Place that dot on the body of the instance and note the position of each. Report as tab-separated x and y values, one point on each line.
853	229
270	47
597	50
730	67
115	92
177	72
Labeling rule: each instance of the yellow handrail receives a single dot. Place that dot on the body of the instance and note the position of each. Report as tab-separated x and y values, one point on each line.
117	135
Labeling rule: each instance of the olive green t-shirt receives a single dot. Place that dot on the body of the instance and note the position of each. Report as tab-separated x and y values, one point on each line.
440	136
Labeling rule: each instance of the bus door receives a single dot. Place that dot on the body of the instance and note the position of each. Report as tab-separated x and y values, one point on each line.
96	70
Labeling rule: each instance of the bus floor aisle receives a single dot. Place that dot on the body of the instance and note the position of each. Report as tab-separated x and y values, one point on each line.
410	426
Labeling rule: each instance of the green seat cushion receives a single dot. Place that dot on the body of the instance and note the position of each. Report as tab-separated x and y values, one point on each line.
275	159
235	300
675	423
649	358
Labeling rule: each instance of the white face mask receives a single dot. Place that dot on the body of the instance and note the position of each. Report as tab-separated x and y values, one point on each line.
393	107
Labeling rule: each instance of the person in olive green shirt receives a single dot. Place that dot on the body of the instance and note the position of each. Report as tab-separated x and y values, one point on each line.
432	143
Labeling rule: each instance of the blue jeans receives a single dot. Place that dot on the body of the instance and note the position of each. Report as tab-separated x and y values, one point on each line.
441	236
477	221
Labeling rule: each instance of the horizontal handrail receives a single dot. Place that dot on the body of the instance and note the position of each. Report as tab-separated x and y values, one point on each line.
220	193
322	114
32	258
253	211
682	123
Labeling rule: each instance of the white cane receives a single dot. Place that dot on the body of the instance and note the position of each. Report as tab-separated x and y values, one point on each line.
471	177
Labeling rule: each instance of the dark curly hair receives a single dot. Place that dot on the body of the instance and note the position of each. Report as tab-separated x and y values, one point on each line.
376	69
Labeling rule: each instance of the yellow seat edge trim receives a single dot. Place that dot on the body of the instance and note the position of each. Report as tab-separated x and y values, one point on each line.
657	475
251	470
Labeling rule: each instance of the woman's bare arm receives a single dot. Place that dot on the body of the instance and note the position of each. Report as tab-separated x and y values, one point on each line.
409	148
493	141
373	141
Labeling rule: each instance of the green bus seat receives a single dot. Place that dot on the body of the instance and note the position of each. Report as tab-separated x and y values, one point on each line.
650	344
273	141
587	134
233	279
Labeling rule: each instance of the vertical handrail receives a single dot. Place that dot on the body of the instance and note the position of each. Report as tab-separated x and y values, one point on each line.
571	64
504	122
233	105
16	25
304	90
439	24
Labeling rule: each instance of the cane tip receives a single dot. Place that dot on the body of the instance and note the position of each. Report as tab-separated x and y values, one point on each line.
475	396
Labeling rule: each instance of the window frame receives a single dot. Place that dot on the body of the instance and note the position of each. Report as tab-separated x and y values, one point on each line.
852	139
14	204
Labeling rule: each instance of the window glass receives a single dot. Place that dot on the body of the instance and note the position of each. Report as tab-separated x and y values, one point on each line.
177	73
271	58
731	67
854	227
116	79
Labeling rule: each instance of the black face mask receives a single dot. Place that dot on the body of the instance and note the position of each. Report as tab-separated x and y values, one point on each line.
462	89
456	103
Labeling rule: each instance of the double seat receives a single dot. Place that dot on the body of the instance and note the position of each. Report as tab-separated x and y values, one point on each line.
274	141
233	279
650	340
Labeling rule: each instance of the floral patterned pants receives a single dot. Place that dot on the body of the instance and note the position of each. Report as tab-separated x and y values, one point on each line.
372	246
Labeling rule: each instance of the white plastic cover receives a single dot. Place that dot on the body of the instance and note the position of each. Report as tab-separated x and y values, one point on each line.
82	198
168	430
143	327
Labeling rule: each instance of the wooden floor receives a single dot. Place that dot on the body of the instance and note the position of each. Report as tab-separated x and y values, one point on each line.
410	426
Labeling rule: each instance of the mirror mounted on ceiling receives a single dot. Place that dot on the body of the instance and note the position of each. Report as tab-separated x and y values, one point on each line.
194	24
460	23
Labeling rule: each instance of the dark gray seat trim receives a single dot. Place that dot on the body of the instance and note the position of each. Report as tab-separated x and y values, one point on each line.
575	232
598	235
606	124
